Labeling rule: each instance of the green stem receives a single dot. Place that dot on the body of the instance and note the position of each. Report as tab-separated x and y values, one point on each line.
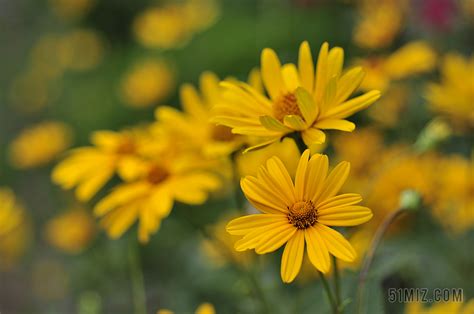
370	254
138	284
331	299
337	286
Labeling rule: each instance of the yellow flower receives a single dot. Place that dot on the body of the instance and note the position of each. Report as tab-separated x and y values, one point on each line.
379	23
298	213
455	194
391	106
71	9
39	144
220	247
15	229
413	58
193	123
150	196
147	83
248	164
450	307
454	94
81	50
71	231
304	99
204	308
89	168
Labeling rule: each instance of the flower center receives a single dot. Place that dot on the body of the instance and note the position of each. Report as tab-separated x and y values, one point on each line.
157	174
286	105
127	146
222	133
303	214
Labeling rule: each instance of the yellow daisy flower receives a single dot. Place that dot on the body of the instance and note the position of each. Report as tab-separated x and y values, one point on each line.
301	98
193	122
39	144
204	308
451	307
149	198
298	213
89	168
454	94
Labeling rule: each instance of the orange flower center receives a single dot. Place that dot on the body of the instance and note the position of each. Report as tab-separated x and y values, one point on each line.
303	214
286	105
127	146
222	133
157	174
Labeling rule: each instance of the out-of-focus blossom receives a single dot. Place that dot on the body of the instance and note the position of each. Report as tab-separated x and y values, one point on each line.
39	144
147	83
454	203
391	106
15	229
451	307
435	132
81	50
379	22
411	59
71	231
219	247
173	25
204	308
249	163
89	168
71	10
453	96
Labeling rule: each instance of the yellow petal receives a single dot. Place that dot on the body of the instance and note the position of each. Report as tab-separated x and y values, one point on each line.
290	77
336	243
209	83
294	122
271	73
261	145
161	202
261	235
344	216
275	238
273	124
300	178
306	104
278	172
313	136
317	172
191	101
317	251
118	221
292	257
321	72
334	181
306	66
246	224
121	195
335	62
91	185
352	106
280	189
259	194
335	124
348	83
340	200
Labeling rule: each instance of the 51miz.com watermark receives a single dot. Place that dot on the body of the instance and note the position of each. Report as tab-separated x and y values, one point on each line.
425	295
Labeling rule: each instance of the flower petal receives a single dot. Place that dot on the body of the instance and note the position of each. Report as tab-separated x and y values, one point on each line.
276	169
317	171
271	73
259	194
306	104
313	136
336	243
295	122
252	239
290	76
334	181
246	224
273	124
348	83
317	251
300	178
292	257
275	238
335	124
344	216
340	200
352	106
321	73
306	66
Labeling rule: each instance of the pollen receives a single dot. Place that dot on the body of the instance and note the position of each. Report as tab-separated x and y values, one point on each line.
286	105
303	214
157	174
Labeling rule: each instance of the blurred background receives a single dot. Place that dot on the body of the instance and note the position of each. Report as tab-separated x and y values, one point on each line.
71	67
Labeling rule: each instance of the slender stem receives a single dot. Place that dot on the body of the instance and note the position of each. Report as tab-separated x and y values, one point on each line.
331	299
337	286
370	255
138	283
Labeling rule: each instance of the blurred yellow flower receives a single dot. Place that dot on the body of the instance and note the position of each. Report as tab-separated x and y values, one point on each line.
454	202
391	106
298	213
453	96
413	58
147	83
173	25
15	229
81	50
89	168
71	231
149	197
450	307
304	99
379	23
71	10
39	144
219	248
286	150
204	308
193	123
